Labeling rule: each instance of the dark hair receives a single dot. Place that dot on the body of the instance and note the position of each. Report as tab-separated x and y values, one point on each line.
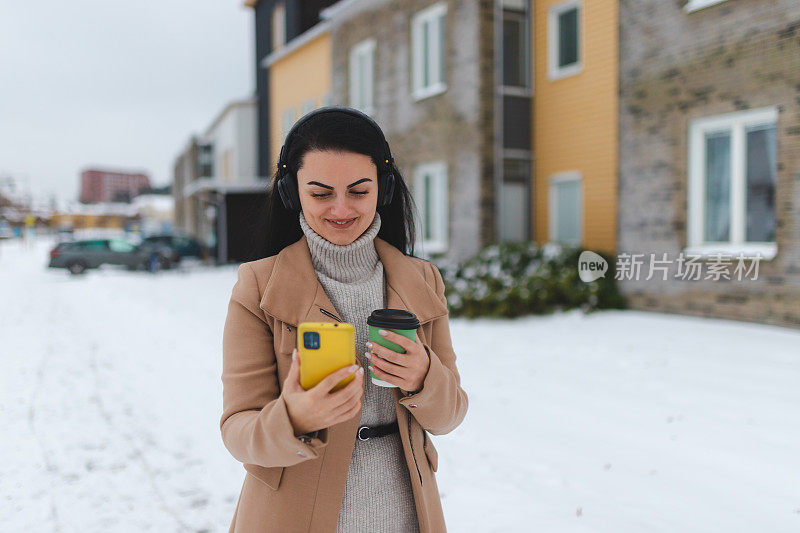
338	132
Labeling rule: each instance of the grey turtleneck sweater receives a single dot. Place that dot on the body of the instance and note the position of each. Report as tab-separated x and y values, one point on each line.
378	495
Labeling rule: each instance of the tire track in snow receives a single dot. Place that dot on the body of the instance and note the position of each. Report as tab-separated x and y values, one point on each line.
105	415
51	468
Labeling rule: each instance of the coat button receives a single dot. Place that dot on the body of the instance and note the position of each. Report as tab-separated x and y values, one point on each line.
412	405
301	454
288	328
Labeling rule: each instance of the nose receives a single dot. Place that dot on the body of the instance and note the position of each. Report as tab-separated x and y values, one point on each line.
340	208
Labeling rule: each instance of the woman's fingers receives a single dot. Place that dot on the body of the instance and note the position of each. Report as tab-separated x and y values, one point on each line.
292	381
330	381
354	389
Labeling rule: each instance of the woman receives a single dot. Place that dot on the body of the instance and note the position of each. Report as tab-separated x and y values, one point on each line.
358	459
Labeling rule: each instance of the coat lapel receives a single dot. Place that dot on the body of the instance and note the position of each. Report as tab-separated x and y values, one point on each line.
294	294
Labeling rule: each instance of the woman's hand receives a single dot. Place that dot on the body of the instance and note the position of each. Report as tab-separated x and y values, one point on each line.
406	370
318	407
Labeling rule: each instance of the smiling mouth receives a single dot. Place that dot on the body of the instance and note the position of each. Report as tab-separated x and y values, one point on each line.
341	224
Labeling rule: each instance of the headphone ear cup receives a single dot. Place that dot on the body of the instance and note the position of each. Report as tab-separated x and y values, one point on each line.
388	192
287	188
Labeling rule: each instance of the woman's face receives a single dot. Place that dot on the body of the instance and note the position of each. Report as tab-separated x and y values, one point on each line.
338	186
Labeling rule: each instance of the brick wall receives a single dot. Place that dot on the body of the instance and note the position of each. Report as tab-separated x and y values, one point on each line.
676	66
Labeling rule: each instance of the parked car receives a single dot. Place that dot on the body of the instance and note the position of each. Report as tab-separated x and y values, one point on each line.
5	230
78	256
182	245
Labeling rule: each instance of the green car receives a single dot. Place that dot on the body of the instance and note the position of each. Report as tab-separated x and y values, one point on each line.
79	256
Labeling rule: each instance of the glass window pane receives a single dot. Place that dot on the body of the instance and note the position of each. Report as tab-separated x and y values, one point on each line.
95	245
568	37
426	53
513	52
520	5
361	90
568	211
761	178
120	246
718	187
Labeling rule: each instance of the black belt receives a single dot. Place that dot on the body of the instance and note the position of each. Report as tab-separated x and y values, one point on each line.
366	432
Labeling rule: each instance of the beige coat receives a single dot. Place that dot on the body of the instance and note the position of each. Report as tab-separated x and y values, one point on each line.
291	485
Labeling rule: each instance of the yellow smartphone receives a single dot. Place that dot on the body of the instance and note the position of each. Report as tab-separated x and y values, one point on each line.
325	347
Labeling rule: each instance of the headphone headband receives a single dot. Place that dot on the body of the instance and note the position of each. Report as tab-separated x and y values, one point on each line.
387	158
287	181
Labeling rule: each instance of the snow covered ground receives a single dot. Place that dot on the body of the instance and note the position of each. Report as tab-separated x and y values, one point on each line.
619	421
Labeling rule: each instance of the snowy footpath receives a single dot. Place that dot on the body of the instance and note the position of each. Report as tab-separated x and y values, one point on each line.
618	422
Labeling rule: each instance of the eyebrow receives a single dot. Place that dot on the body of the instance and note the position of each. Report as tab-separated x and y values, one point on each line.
331	188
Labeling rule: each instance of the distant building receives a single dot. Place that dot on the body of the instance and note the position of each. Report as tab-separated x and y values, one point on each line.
277	22
156	212
111	186
101	215
218	194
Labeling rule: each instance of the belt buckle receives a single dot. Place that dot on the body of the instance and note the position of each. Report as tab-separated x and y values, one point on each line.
359	433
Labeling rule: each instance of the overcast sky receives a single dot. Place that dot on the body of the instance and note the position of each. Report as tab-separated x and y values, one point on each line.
114	84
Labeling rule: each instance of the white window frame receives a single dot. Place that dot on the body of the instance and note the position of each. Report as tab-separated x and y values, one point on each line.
288	118
435	60
308	106
524	11
735	122
439	192
363	102
695	5
554	72
555	180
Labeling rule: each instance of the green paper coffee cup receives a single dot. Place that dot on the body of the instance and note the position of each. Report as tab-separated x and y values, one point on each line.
398	320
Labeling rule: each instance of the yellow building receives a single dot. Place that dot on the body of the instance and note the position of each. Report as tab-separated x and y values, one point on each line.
299	81
575	122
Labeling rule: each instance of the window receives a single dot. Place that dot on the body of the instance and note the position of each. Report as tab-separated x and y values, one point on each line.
694	5
278	26
205	160
94	245
732	180
121	246
287	121
308	107
430	195
515	43
515	200
564	44
428	51
362	68
566	208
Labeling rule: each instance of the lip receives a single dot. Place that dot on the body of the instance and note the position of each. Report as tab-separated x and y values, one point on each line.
341	226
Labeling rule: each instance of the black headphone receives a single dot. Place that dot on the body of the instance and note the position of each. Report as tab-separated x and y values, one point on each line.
287	181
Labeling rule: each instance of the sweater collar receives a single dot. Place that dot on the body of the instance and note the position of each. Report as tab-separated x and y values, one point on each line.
293	295
345	263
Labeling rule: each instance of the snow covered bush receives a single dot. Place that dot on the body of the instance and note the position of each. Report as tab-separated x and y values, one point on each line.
507	279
